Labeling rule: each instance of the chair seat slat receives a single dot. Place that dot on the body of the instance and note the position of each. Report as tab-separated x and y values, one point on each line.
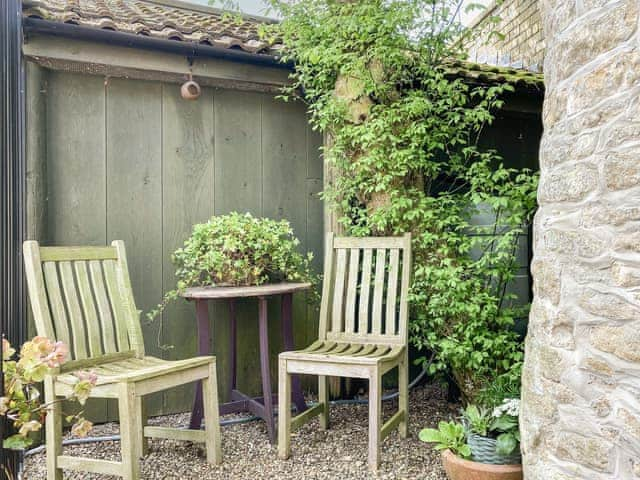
392	289
89	309
78	340
104	310
352	289
378	289
116	304
337	316
365	290
56	302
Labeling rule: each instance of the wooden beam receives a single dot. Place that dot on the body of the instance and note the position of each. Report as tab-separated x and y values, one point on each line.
392	423
175	434
90	465
308	414
113	61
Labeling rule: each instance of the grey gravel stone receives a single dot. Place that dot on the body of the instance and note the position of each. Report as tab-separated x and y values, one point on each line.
339	453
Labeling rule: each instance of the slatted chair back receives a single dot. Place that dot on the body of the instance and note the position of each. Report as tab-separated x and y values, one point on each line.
365	289
83	297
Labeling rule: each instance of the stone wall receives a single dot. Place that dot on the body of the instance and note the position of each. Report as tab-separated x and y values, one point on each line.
521	27
581	382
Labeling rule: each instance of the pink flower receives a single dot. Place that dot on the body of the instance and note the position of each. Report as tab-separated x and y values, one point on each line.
7	350
57	356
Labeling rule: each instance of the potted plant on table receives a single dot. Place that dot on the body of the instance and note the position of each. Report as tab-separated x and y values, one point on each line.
483	445
238	250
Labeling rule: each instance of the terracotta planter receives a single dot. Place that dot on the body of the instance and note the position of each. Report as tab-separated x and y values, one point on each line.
460	469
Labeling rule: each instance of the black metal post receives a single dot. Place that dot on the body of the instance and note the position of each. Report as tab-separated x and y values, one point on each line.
12	191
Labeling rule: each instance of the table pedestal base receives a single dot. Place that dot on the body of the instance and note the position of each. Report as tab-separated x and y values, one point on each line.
261	406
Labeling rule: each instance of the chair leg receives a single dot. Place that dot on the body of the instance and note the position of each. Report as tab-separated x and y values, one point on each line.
130	427
284	410
375	417
403	397
141	413
211	416
53	432
323	399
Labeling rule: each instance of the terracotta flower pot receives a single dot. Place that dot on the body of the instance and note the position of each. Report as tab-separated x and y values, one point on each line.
460	469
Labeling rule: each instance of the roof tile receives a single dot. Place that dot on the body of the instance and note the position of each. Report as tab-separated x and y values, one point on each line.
164	19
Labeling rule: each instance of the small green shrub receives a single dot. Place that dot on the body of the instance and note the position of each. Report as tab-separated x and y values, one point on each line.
448	435
238	250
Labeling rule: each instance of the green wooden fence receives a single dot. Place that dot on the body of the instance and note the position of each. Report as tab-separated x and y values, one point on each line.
131	160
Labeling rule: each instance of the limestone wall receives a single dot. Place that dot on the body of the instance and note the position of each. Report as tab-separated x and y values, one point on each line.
581	384
522	42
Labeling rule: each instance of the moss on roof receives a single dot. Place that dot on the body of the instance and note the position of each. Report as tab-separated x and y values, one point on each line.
483	73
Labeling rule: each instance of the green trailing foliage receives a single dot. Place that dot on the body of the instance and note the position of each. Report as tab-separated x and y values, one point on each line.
403	145
238	250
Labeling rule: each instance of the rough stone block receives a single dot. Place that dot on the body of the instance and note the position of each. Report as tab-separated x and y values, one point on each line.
621	341
568	183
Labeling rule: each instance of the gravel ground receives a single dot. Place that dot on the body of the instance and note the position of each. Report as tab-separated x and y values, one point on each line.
339	453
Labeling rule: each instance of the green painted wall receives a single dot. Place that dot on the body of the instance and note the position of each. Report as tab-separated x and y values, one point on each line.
131	160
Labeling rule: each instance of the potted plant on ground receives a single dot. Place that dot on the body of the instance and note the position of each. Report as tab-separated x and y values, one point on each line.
483	445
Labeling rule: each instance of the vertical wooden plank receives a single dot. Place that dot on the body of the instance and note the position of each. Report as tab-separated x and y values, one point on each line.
115	299
37	292
327	286
94	341
238	187
36	160
365	291
76	183
392	291
76	160
102	303
337	314
404	287
352	289
284	168
36	151
187	199
78	340
377	291
56	302
134	196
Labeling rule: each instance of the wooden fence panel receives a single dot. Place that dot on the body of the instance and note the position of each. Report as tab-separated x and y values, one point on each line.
134	195
187	198
76	184
132	160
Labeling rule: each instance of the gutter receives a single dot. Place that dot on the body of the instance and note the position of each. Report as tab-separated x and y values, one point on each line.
188	49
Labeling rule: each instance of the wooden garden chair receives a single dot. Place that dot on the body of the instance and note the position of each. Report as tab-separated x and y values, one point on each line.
83	297
362	334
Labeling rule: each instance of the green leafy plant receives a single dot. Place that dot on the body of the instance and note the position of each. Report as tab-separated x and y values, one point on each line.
238	249
403	146
448	436
21	402
505	426
478	419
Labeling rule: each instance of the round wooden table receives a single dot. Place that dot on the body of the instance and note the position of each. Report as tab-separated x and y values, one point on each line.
240	402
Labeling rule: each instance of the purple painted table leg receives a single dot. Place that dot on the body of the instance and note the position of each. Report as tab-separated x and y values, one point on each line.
287	336
204	342
233	355
264	366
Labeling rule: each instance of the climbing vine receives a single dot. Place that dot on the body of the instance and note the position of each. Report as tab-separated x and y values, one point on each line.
403	145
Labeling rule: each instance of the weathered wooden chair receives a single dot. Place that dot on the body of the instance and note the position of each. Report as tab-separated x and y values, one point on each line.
362	334
83	297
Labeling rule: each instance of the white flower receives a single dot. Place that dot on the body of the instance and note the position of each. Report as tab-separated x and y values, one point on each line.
509	406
